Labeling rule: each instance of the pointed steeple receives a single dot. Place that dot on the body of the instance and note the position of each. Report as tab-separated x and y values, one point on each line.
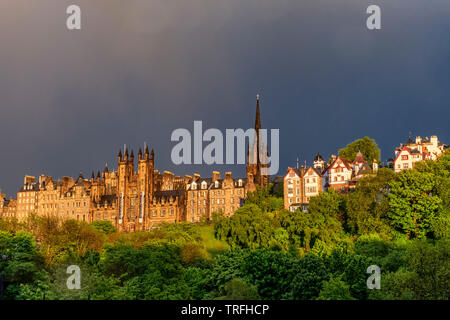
106	167
257	128
93	176
152	156
120	155
258	116
359	157
140	154
98	175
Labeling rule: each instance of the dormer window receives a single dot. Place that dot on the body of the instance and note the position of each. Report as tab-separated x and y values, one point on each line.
193	186
216	184
204	185
240	182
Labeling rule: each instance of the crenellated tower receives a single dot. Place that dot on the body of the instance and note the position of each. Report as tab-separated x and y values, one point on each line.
144	186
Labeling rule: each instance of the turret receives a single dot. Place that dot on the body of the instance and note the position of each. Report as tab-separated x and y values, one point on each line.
215	176
375	166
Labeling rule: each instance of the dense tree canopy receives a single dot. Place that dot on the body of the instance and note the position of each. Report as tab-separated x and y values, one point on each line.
399	222
367	146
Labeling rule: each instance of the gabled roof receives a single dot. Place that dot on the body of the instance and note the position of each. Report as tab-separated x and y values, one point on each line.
365	169
313	170
405	148
211	185
166	195
34	187
359	158
296	171
347	163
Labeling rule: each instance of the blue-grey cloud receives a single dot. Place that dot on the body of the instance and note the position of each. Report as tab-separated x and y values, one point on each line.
139	69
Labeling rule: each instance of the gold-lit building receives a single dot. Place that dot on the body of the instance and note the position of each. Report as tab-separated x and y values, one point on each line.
137	197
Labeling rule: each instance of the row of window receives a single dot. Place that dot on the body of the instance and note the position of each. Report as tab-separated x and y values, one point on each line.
214	193
214	201
204	185
340	178
162	212
26	200
214	209
308	180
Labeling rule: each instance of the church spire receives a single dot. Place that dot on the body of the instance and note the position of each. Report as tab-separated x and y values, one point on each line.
258	116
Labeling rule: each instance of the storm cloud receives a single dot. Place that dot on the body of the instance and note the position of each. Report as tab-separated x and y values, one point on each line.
139	69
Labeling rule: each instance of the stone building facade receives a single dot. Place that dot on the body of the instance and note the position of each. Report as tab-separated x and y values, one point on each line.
208	195
416	150
300	185
137	197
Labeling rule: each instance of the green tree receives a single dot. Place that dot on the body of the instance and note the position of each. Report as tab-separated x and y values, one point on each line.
263	198
366	145
355	268
198	281
228	266
251	228
440	226
323	220
368	205
239	289
431	263
397	285
413	203
310	272
271	271
335	289
104	226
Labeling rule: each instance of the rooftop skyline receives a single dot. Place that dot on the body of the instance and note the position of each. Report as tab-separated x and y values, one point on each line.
137	71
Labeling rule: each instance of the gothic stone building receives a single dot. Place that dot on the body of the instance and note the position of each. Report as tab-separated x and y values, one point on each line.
140	198
136	196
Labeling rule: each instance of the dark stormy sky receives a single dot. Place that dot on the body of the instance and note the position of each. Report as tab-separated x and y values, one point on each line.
139	69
